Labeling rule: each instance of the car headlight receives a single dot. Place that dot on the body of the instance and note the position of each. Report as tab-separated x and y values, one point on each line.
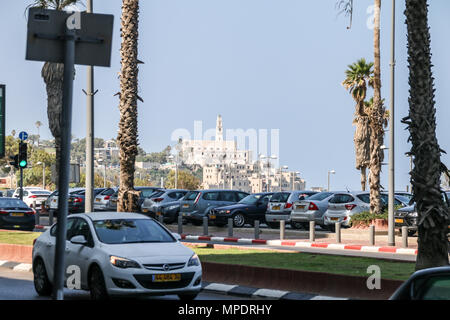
123	262
413	215
171	207
224	211
193	261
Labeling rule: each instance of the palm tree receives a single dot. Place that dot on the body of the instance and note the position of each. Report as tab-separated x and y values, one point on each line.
38	125
358	78
53	74
127	135
433	214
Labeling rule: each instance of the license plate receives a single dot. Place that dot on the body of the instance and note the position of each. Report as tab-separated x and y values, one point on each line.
276	208
169	277
185	206
300	207
212	217
17	214
334	219
98	200
399	220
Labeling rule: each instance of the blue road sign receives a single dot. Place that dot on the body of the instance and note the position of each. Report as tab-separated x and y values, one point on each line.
23	135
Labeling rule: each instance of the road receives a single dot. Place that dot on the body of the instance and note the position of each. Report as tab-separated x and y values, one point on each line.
16	285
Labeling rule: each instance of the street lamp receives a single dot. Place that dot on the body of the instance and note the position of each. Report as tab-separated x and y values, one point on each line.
171	158
272	157
330	172
43	173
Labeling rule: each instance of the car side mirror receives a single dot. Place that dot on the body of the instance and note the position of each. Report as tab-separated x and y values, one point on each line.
79	240
176	236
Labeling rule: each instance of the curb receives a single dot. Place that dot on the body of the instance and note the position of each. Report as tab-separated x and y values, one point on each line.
16	266
303	244
250	292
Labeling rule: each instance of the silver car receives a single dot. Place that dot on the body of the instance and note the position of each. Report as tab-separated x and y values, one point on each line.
152	205
102	199
280	206
311	209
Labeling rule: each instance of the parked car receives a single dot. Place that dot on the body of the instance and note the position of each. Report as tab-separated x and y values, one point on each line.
426	284
51	204
280	206
145	192
16	193
76	201
40	196
343	205
101	199
153	205
120	253
311	209
252	207
407	216
198	204
15	214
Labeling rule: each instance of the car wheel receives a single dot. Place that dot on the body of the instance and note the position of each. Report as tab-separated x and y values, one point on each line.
97	284
238	220
41	283
273	225
188	297
296	225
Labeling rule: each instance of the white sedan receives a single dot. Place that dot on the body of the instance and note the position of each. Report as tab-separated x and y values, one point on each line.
118	253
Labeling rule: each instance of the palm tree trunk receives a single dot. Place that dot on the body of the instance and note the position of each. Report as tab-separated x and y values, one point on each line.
127	135
425	177
377	114
53	74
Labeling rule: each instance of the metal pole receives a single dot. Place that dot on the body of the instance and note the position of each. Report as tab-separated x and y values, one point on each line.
43	175
338	232
405	237
104	175
176	171
21	183
230	227
64	167
328	187
282	229
256	229
391	223
180	224
312	231
89	196
205	226
372	235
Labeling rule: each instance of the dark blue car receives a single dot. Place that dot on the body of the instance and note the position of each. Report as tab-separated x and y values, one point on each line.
251	208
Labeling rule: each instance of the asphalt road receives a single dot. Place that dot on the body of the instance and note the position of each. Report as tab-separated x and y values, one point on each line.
19	286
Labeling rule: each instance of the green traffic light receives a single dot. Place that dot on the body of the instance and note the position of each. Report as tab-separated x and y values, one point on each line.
23	164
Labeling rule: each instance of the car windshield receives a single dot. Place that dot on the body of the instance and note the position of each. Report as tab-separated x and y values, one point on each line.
191	196
251	199
320	196
280	197
7	204
120	231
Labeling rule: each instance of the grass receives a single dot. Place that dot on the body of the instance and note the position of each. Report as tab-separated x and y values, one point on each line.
354	266
18	237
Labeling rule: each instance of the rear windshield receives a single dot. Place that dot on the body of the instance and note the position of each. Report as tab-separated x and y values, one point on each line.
145	193
364	197
191	196
156	194
320	196
107	192
12	204
280	197
342	198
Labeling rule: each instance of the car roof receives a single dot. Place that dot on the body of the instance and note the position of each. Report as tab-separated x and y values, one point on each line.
96	216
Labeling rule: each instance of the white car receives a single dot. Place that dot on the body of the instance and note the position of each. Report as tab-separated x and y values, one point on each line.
16	193
119	254
101	200
29	196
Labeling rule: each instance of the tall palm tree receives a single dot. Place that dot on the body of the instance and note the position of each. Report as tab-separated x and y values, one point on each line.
53	74
376	113
433	214
38	125
359	76
127	136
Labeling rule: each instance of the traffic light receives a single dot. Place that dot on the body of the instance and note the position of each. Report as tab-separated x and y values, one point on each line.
15	162
23	162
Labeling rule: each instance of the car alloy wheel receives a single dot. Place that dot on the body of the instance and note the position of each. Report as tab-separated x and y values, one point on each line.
97	284
41	283
238	220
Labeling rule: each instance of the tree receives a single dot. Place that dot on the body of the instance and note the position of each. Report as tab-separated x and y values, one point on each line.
127	137
376	113
38	125
433	214
358	78
53	74
185	180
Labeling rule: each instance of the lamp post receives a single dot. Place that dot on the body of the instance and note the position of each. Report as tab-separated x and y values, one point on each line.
330	172
104	171
171	158
273	157
43	173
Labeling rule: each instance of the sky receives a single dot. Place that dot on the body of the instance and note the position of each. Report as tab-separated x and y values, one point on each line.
261	64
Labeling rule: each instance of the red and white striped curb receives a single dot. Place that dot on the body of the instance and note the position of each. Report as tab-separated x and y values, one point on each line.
303	244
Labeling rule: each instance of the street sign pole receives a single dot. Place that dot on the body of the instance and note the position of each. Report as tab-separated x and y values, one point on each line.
64	168
21	184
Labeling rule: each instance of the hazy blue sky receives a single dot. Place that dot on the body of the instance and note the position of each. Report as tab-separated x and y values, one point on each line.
262	64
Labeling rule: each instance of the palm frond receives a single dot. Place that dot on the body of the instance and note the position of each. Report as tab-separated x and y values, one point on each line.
346	7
